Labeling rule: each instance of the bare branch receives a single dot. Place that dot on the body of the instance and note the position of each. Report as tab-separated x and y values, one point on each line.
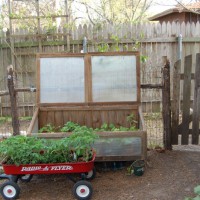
187	7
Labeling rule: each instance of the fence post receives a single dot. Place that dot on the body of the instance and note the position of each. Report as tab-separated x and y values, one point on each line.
176	101
166	111
196	103
13	100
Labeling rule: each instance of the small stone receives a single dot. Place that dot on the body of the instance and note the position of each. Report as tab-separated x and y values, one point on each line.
188	189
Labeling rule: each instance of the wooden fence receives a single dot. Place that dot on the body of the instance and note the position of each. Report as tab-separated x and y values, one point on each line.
152	40
186	126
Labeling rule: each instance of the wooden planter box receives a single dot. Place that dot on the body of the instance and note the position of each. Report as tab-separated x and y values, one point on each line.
97	96
111	146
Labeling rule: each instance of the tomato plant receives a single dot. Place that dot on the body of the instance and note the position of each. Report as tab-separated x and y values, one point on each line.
69	127
112	127
74	127
31	150
47	129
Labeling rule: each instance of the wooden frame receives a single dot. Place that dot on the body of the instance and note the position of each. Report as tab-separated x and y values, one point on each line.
137	66
88	73
141	133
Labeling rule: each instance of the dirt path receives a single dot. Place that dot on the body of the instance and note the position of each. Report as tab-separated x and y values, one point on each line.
169	176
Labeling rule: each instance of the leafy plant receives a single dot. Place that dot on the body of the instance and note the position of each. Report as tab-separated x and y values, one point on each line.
143	58
133	128
47	129
104	47
131	119
115	46
31	150
130	170
197	192
74	127
111	127
21	150
80	143
69	127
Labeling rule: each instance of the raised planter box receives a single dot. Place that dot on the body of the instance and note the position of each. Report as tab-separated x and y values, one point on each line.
111	146
92	89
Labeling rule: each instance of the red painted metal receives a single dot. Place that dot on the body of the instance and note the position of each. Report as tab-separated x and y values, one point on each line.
9	191
53	168
82	190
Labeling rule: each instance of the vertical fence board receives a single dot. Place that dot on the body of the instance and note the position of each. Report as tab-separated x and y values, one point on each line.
96	119
186	100
67	116
166	106
88	118
196	104
59	119
50	117
176	102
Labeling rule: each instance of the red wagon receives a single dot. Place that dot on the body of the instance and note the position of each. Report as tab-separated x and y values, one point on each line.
82	189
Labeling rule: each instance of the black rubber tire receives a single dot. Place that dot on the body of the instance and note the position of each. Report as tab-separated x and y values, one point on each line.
10	190
86	194
91	174
26	178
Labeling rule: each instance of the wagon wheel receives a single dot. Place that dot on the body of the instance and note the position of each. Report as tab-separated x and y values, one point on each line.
9	190
91	174
26	178
82	190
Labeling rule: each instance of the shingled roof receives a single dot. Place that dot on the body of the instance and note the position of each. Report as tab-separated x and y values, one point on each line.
193	7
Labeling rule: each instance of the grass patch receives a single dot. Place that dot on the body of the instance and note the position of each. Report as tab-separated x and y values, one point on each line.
9	119
27	118
5	119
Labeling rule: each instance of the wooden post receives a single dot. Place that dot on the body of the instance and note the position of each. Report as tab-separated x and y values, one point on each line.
166	111
186	100
176	101
13	100
10	32
196	104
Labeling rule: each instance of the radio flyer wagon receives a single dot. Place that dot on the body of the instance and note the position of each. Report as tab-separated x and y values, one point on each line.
82	189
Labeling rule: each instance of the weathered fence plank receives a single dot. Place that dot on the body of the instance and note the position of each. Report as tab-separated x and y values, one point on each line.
186	100
176	101
196	104
166	106
13	100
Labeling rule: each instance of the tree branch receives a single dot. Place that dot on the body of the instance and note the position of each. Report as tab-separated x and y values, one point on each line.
187	8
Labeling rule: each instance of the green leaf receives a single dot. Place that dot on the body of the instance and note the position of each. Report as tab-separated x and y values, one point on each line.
111	126
197	190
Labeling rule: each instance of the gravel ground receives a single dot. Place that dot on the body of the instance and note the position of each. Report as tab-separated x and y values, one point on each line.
171	175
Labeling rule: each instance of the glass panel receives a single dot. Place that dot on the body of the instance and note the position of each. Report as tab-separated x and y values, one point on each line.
126	146
62	80
114	78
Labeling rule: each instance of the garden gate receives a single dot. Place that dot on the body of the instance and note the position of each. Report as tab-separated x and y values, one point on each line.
186	98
